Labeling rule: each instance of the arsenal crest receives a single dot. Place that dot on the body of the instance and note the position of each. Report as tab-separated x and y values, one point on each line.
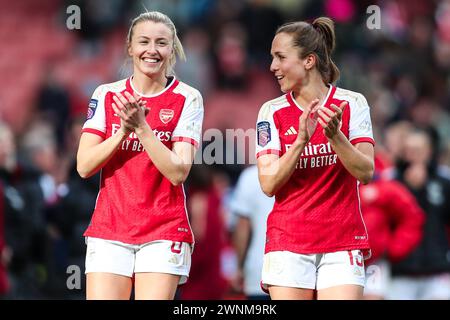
166	115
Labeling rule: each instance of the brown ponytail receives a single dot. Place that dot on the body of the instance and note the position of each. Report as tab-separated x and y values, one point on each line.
319	39
325	26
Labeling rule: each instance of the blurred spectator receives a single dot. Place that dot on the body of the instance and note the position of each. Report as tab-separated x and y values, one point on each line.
425	273
444	159
394	227
6	163
18	228
383	106
99	17
8	158
426	113
4	250
222	13
76	206
185	13
251	206
198	68
12	222
42	187
291	9
232	65
206	280
53	103
260	21
394	137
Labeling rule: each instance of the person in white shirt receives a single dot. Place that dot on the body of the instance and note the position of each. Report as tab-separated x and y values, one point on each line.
251	208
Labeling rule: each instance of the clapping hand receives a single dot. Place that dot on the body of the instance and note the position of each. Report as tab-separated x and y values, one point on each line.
131	110
307	122
331	120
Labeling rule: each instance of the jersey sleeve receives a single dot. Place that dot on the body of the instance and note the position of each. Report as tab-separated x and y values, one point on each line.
267	136
189	127
360	126
95	118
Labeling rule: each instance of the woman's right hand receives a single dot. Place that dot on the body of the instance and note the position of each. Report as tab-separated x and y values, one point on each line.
307	122
126	110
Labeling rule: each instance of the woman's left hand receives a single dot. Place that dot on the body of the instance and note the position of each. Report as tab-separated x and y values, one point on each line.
131	109
331	120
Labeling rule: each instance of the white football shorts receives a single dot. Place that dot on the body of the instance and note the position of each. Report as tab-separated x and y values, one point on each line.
313	271
161	256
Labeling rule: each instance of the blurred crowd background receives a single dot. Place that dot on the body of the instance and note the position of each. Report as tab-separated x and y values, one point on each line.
49	72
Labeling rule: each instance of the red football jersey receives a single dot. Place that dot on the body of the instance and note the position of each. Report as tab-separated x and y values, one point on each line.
136	203
318	209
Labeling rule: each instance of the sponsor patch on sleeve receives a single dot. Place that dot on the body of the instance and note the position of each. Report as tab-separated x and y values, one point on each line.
264	135
92	107
365	126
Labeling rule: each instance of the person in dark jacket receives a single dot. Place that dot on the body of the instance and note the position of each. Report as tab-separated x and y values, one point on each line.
394	222
425	273
18	265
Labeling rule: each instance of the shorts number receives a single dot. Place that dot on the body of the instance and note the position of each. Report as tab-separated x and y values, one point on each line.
358	259
176	247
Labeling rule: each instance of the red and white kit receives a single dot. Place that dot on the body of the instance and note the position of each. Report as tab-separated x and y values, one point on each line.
317	210
136	203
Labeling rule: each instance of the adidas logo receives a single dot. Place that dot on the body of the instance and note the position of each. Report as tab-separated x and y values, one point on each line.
173	259
290	131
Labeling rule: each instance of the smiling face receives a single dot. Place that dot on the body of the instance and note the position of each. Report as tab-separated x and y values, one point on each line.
151	48
290	70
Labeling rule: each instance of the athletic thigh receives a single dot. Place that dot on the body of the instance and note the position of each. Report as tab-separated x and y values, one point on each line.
159	267
155	286
107	286
109	269
286	293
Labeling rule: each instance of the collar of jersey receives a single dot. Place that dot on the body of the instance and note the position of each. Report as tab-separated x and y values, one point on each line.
291	96
151	95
